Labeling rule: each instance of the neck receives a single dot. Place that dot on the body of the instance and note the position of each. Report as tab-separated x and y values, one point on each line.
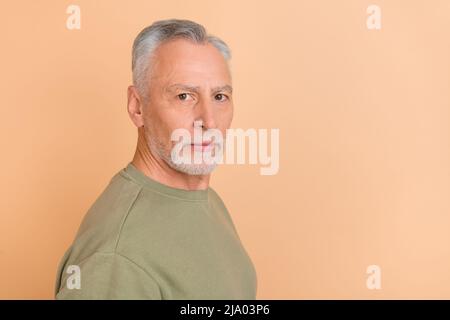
157	169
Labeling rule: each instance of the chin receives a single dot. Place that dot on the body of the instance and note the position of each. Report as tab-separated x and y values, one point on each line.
194	169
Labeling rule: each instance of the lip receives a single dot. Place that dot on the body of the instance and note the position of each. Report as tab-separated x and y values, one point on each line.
204	146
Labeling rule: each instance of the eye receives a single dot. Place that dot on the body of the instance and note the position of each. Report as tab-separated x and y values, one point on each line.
182	96
220	97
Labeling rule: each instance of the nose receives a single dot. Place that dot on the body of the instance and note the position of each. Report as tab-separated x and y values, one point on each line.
205	112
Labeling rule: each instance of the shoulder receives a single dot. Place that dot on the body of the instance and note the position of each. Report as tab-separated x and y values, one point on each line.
102	224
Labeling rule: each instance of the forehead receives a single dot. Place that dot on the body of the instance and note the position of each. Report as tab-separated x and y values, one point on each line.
181	60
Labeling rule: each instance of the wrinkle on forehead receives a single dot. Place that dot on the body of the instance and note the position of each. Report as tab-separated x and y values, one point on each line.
181	60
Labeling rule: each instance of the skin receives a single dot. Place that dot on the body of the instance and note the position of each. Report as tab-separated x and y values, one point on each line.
187	82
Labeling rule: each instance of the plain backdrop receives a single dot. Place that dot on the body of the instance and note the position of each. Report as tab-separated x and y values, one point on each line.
364	124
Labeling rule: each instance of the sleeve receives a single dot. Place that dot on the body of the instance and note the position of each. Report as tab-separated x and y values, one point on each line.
107	276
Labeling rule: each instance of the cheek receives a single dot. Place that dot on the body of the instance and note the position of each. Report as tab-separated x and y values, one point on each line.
170	128
157	132
179	120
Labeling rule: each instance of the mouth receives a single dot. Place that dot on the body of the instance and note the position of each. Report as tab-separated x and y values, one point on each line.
204	146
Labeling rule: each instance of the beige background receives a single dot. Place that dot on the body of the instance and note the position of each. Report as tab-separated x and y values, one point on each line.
364	127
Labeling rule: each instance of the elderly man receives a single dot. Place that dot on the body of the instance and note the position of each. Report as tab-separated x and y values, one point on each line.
158	231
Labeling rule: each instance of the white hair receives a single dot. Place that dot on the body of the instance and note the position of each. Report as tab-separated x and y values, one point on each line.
154	35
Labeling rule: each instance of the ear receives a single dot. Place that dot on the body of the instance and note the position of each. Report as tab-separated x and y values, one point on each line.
135	106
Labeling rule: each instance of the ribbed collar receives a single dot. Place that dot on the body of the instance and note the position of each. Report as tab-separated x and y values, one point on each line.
138	176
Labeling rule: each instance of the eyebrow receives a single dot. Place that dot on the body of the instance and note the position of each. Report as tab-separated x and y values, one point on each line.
187	87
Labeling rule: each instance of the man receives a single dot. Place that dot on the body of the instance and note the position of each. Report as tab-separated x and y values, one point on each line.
158	231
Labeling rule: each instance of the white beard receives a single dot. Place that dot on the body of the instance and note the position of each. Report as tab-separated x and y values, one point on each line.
192	169
188	168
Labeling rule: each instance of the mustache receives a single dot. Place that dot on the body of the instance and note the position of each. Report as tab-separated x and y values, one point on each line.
210	139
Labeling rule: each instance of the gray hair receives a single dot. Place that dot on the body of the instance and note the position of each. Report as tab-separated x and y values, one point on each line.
154	35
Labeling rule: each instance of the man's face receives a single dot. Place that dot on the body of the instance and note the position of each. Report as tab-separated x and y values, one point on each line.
188	82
